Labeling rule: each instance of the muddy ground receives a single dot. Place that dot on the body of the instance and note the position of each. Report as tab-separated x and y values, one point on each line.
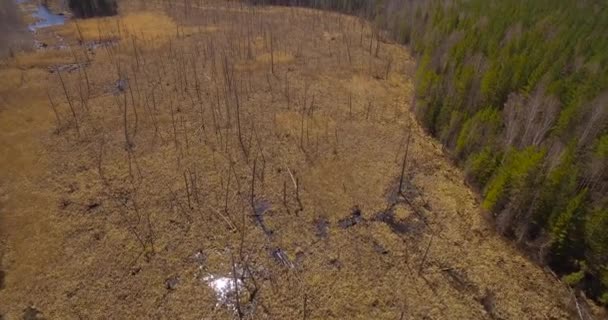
216	161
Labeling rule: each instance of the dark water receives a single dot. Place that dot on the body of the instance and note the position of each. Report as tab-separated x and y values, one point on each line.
260	208
355	218
45	18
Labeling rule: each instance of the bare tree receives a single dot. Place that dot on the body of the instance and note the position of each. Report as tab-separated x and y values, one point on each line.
595	118
512	118
541	113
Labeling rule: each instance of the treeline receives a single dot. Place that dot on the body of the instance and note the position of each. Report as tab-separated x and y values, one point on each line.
347	6
11	27
93	8
518	92
9	16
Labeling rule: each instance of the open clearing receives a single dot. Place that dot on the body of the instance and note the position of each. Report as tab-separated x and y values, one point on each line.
225	161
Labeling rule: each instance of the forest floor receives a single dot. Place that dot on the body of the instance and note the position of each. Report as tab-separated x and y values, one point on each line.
218	161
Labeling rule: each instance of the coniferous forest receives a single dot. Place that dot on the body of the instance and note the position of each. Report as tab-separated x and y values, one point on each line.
91	8
517	91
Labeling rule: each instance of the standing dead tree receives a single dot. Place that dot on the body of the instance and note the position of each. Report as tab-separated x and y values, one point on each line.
67	97
52	104
404	162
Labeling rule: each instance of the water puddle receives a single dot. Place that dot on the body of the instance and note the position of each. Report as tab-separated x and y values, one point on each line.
225	288
398	226
45	18
260	208
355	218
411	225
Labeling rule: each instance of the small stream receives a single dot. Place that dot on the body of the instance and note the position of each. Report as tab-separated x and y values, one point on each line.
45	18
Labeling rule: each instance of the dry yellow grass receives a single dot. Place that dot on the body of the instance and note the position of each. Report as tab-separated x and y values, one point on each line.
42	59
319	125
263	61
154	27
277	57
